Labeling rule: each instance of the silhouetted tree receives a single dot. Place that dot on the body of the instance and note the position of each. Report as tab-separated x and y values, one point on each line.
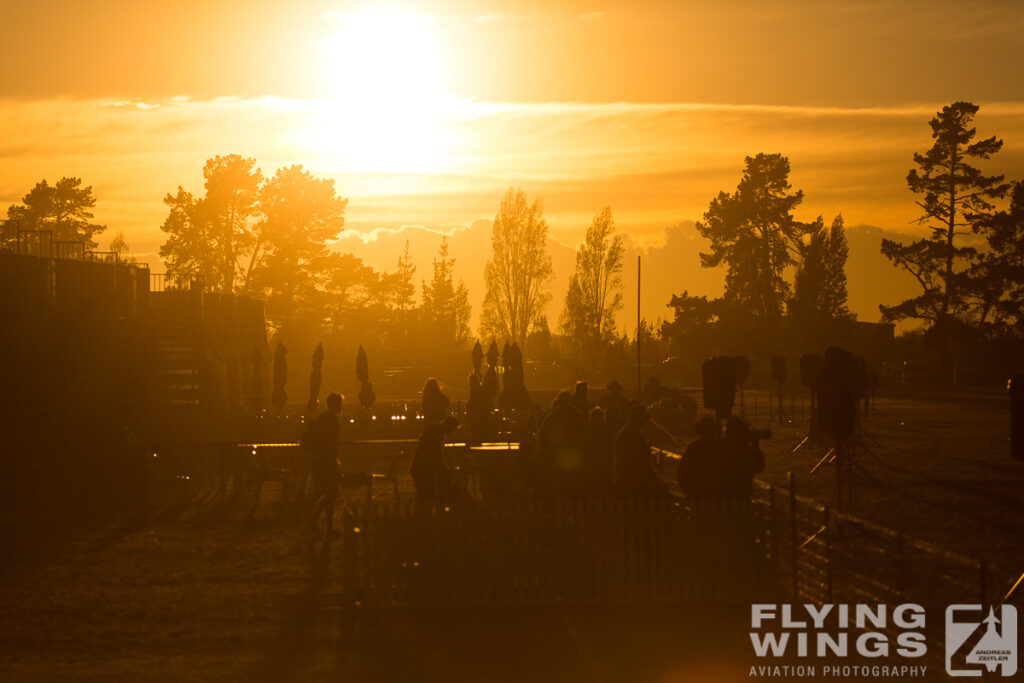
819	291
120	248
188	250
518	273
64	208
400	293
352	301
446	308
541	341
1002	268
300	213
595	291
955	195
689	333
232	188
753	232
401	287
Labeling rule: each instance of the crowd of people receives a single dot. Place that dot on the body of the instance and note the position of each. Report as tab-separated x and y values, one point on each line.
580	448
574	448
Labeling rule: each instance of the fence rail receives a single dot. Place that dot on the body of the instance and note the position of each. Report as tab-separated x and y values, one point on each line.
530	552
810	552
41	243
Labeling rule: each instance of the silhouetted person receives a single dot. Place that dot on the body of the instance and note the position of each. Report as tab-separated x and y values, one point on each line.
634	466
699	467
435	403
600	454
653	391
579	397
433	480
742	459
514	395
674	413
616	406
561	441
321	441
478	408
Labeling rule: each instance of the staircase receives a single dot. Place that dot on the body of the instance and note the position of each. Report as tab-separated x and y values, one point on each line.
174	367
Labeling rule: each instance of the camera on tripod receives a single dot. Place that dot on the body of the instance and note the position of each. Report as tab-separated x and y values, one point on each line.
718	379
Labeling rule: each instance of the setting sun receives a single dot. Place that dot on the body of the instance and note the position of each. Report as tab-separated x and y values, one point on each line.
385	108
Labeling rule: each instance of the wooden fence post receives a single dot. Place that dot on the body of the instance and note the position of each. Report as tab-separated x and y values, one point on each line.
828	554
349	569
792	534
900	565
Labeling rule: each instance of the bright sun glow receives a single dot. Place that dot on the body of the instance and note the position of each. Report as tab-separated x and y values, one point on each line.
386	110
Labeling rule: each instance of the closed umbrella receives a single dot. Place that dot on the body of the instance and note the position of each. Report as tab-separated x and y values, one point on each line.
478	357
366	393
315	379
278	397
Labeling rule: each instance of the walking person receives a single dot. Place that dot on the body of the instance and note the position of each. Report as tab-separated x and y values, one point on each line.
432	478
634	466
435	403
321	441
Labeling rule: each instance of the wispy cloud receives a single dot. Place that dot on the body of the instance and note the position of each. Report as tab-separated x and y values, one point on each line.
655	164
594	16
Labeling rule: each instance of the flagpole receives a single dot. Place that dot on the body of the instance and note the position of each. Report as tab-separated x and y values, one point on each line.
639	371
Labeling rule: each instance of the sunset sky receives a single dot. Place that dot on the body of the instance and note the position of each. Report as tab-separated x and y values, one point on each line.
426	112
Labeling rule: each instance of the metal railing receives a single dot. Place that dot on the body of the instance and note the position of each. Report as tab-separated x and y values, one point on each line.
40	243
172	282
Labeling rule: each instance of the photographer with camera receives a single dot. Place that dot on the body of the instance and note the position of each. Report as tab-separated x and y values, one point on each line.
699	463
742	458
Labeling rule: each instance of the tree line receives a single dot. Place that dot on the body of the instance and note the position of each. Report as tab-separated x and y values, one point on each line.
269	237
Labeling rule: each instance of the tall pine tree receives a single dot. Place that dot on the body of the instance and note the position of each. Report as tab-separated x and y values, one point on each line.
955	196
753	232
819	290
445	307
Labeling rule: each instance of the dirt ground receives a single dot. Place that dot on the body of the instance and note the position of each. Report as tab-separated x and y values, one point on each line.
205	593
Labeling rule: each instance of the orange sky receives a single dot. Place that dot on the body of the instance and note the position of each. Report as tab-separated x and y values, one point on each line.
426	112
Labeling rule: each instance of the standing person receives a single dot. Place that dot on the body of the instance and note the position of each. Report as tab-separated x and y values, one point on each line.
321	441
435	403
600	457
742	459
561	442
699	466
579	397
433	480
616	406
634	466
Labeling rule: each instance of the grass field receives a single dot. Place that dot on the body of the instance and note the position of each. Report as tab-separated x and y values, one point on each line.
937	470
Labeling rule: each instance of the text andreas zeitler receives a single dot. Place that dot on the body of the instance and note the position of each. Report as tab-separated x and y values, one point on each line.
833	632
